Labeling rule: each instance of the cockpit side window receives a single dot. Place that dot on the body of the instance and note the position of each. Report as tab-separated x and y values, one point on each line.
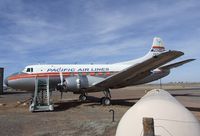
28	70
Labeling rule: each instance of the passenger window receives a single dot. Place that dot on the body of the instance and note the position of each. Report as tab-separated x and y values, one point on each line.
31	69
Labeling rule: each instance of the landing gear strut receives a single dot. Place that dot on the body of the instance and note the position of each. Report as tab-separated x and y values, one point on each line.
106	100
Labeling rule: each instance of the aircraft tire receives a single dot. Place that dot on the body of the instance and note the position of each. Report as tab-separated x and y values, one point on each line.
106	101
101	100
82	97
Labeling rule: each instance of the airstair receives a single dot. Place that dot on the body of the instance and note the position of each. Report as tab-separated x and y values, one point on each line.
41	99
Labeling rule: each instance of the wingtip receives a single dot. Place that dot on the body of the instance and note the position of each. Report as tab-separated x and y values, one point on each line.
189	60
179	53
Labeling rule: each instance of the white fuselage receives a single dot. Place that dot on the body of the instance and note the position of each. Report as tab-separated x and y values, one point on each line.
70	68
25	80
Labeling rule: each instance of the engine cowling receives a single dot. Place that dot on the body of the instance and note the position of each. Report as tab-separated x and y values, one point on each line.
77	83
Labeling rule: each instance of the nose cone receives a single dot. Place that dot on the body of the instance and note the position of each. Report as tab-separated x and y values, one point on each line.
6	81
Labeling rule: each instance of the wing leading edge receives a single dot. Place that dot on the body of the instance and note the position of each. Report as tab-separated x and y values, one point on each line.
139	69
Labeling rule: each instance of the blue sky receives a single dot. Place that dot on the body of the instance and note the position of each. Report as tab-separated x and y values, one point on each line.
97	31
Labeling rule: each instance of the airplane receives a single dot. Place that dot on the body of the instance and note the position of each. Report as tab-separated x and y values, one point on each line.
87	78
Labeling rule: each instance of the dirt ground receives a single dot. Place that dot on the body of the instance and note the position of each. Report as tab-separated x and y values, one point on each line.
74	118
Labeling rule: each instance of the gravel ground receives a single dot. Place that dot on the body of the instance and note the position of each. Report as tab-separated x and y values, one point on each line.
74	118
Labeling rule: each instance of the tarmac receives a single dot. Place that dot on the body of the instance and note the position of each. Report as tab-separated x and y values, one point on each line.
74	118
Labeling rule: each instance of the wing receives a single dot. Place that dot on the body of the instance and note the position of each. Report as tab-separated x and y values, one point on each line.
138	71
174	65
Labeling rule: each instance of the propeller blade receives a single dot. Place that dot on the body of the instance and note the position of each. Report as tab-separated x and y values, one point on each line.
61	78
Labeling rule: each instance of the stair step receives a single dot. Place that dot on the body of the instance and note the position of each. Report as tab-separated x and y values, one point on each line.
41	101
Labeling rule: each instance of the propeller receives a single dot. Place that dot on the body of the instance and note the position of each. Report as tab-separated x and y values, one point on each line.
61	85
61	78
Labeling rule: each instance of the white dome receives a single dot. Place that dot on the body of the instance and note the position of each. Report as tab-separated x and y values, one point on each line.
170	117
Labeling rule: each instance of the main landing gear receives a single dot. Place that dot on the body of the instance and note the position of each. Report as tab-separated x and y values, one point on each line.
83	97
106	100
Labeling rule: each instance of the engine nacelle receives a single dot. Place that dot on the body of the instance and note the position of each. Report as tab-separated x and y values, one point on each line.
77	83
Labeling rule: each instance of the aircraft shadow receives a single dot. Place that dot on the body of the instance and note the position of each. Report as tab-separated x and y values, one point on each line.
62	106
95	101
15	92
190	95
92	101
193	109
196	88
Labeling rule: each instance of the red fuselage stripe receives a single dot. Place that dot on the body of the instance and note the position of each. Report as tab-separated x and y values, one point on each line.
57	74
158	47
